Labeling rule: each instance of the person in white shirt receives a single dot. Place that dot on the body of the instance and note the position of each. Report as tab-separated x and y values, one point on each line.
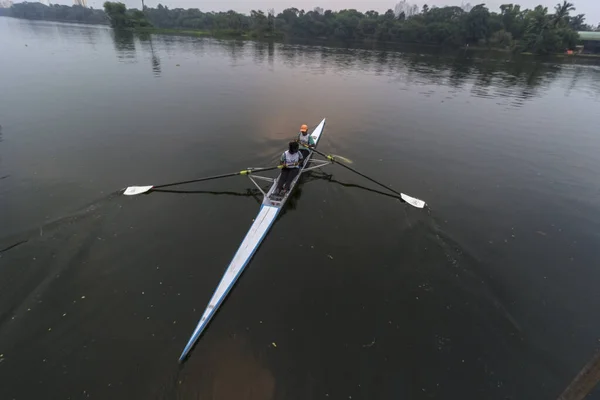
291	161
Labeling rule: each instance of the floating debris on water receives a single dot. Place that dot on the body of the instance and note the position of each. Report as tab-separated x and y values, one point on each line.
370	344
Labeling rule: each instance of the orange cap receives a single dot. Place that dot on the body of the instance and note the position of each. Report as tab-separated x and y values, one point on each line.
304	128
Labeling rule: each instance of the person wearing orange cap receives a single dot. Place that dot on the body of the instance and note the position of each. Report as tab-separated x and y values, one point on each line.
305	141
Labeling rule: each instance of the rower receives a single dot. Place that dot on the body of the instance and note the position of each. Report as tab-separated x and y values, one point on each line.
291	160
305	140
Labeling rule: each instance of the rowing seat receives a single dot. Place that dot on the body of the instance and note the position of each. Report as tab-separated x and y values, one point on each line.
276	198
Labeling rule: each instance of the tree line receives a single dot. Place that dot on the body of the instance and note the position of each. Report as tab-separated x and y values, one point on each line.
535	30
121	18
57	12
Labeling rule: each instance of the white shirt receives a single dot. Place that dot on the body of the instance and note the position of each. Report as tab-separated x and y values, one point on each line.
290	160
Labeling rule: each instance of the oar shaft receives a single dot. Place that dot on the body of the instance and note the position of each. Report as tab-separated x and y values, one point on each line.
371	179
209	178
357	172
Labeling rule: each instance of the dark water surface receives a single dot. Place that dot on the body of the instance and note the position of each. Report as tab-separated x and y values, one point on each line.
492	293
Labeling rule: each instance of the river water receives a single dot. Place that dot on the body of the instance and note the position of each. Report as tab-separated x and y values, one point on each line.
490	293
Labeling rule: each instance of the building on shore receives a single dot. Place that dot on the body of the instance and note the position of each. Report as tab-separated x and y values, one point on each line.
6	4
590	41
82	3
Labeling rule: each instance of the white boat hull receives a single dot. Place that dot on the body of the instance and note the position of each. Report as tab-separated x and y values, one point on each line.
242	257
266	217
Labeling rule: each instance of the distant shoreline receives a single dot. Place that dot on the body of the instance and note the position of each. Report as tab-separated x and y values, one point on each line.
226	34
60	21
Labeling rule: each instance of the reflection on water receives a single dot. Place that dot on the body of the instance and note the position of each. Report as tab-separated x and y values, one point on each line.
0	142
264	51
125	46
2	176
271	52
146	41
489	75
229	370
90	36
124	42
236	49
518	79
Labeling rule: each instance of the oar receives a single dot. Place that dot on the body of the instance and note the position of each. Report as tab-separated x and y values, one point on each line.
344	159
410	200
134	190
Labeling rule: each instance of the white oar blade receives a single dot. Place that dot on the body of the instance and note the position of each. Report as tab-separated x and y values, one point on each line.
133	190
342	158
412	201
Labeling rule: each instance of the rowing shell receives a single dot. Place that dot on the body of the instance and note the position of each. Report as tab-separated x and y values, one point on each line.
270	208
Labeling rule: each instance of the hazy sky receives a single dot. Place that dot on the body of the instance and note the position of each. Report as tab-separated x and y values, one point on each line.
589	7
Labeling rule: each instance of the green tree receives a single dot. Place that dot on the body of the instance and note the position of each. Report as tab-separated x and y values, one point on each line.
513	20
562	13
120	17
138	19
57	12
116	14
545	35
501	38
526	30
577	23
537	21
477	26
260	23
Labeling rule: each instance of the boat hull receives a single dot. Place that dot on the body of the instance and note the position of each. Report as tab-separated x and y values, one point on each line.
269	211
